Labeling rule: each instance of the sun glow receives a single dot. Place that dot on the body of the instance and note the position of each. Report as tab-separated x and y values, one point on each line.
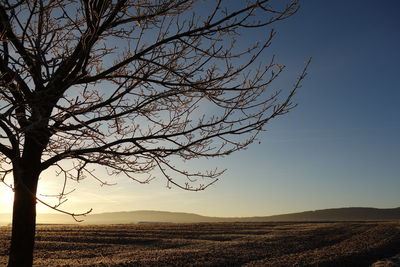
6	199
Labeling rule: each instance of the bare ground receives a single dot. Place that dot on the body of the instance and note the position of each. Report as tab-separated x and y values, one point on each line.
215	244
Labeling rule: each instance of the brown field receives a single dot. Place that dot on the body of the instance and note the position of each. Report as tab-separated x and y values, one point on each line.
213	244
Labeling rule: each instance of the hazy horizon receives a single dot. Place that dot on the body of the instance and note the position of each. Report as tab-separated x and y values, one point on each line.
67	219
338	148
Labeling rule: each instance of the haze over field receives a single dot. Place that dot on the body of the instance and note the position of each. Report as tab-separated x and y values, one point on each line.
146	216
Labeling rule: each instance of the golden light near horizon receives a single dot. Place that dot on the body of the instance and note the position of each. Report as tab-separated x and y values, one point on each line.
6	198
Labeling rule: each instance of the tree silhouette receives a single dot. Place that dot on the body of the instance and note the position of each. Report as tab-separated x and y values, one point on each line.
131	86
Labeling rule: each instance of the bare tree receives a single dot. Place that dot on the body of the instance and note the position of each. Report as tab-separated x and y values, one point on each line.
131	86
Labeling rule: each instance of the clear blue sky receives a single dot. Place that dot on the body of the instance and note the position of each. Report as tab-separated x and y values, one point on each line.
340	147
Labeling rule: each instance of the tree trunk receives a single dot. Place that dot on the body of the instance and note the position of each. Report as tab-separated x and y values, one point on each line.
24	218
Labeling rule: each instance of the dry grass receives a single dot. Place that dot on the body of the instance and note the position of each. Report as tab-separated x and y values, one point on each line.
213	244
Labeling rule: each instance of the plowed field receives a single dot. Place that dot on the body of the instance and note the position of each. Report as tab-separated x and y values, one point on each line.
213	244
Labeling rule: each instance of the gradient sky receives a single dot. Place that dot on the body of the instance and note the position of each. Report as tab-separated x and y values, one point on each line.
340	147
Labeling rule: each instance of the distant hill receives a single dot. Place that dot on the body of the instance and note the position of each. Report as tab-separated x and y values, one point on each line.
146	216
340	214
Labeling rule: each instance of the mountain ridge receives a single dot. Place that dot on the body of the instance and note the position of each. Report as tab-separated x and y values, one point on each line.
153	216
